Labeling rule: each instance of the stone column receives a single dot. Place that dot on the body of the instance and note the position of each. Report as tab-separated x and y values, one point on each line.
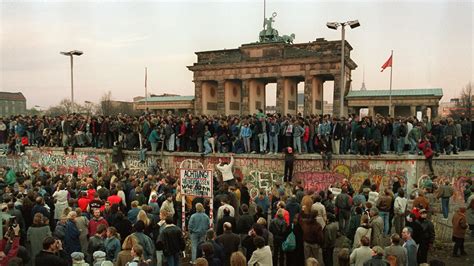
279	95
424	110
371	111
434	111
245	104
308	96
413	110
197	97
220	96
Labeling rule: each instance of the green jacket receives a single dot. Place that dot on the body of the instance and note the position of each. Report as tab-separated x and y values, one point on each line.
10	178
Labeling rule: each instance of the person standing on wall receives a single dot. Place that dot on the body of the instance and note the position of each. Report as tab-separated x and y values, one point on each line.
289	162
226	169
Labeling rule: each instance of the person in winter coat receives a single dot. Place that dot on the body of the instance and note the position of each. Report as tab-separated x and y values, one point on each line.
289	162
71	239
330	235
262	255
52	253
425	147
459	231
278	228
377	224
361	254
197	227
112	244
61	198
427	237
312	235
144	240
377	258
395	250
96	242
36	234
445	192
125	255
96	220
410	246
363	230
171	241
82	224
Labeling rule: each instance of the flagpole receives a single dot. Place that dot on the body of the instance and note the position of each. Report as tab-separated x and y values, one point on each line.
390	97
264	12
146	90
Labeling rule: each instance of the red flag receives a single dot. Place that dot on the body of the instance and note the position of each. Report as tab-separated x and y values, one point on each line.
387	64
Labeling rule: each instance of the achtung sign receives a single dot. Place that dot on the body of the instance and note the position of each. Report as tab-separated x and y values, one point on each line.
196	182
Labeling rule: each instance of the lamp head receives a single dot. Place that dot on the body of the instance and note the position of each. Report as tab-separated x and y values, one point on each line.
73	52
332	25
353	24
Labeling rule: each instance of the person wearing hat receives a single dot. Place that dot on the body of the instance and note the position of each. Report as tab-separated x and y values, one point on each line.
377	258
289	162
427	236
99	257
78	259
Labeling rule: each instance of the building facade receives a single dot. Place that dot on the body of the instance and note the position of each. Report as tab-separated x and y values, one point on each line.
12	103
406	102
165	104
233	81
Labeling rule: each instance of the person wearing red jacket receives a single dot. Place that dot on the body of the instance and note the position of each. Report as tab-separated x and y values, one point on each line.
425	147
286	214
12	236
114	198
83	201
96	220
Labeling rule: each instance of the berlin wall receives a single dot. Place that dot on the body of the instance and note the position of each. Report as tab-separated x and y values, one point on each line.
263	171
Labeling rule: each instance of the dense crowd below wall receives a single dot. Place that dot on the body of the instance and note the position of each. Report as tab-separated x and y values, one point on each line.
258	133
131	218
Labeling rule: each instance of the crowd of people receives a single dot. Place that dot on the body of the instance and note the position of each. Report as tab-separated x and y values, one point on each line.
258	133
123	218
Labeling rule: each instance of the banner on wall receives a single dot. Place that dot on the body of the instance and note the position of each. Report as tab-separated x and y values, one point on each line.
196	182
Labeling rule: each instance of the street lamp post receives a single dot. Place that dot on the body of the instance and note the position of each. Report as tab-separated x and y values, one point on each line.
71	54
334	25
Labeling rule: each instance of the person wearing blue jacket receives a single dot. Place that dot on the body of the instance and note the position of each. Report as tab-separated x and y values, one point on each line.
71	238
198	226
245	134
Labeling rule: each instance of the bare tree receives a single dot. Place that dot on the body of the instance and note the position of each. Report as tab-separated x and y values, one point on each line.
106	103
464	105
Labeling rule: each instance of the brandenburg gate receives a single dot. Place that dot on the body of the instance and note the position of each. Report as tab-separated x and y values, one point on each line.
232	81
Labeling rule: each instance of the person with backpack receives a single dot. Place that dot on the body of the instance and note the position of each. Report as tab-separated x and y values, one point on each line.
344	204
278	228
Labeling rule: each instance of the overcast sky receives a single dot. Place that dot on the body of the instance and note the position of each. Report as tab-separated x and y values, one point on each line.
432	42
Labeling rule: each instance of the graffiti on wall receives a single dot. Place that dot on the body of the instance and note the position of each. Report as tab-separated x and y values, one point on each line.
262	172
56	161
457	173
